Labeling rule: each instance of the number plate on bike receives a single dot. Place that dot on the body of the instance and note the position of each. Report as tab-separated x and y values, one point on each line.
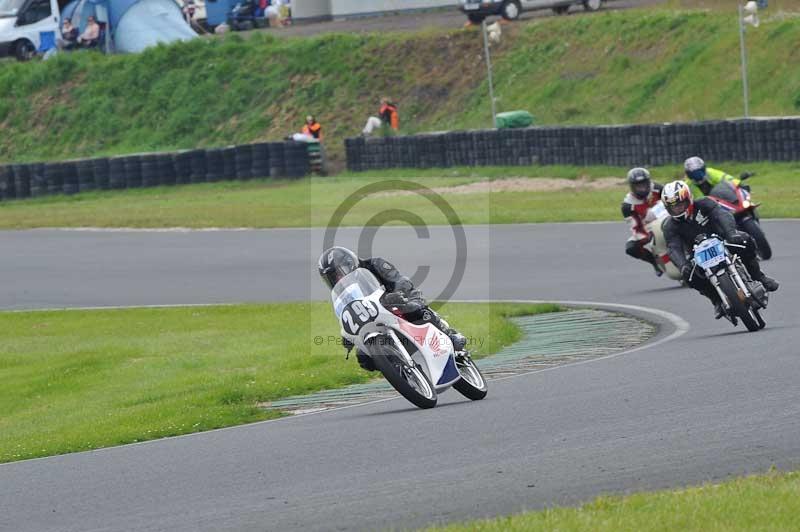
709	253
357	314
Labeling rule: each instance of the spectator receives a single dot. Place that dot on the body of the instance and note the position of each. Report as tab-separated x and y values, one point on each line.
189	9
312	128
90	37
387	117
273	13
69	36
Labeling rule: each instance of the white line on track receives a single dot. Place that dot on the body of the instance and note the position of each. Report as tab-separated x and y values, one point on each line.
681	327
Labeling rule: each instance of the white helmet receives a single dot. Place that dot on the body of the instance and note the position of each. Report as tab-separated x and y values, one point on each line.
677	198
695	169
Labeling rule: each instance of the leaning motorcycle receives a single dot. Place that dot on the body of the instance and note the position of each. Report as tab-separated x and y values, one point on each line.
738	201
417	360
742	297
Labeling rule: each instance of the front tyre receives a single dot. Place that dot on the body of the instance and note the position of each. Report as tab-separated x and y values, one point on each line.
476	19
410	382
511	10
751	318
753	228
472	384
24	50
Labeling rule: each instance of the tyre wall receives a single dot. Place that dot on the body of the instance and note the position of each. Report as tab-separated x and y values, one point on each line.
250	161
633	145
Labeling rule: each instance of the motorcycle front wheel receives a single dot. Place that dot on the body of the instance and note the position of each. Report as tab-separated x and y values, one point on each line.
472	384
409	381
749	316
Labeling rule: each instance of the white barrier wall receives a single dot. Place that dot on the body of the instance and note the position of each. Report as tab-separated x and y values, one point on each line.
311	9
342	8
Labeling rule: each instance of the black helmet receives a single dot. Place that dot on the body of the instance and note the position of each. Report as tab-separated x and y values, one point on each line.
335	263
639	181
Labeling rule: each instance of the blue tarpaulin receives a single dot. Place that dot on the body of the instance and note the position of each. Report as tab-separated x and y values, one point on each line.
134	24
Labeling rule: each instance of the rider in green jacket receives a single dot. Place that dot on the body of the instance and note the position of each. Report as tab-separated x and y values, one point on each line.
701	179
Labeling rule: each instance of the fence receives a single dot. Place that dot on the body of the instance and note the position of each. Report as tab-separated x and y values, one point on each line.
632	145
247	161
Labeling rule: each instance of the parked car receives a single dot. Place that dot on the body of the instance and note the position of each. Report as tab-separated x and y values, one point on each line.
477	10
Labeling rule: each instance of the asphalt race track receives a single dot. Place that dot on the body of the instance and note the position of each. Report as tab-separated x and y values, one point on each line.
712	403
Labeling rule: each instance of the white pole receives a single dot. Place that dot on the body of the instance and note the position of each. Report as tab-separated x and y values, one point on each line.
489	71
745	89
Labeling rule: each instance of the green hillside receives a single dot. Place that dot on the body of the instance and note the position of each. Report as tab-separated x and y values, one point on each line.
612	67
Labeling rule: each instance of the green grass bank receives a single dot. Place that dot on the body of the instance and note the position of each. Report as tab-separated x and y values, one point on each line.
761	502
563	194
641	65
82	379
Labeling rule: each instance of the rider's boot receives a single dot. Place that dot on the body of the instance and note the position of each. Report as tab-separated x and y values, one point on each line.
458	339
649	258
754	268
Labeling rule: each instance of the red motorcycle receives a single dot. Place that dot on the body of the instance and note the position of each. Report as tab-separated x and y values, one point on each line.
737	200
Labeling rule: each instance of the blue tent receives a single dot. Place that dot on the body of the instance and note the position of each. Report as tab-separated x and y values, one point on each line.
132	25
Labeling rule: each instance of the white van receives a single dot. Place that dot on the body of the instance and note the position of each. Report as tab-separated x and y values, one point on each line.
477	10
22	23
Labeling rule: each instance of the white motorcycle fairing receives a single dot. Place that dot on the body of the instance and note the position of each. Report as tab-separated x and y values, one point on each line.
357	303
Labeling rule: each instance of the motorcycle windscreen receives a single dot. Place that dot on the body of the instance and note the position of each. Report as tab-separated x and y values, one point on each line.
725	190
358	284
149	22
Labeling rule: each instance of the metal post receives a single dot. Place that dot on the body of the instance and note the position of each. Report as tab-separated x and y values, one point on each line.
489	71
745	89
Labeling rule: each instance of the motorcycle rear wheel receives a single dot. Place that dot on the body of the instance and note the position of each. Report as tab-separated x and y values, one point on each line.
410	382
472	384
749	316
753	228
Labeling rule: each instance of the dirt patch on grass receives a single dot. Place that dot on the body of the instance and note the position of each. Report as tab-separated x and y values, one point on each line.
524	184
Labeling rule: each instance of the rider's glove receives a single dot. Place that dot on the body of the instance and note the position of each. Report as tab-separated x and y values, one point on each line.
736	239
394	298
746	175
416	295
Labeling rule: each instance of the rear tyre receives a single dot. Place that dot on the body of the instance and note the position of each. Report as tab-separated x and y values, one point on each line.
560	10
472	384
511	10
753	228
410	382
476	19
749	317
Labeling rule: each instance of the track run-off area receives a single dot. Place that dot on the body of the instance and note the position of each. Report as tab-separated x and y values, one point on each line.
702	401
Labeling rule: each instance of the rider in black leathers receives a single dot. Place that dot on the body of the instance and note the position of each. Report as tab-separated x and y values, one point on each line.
337	262
692	218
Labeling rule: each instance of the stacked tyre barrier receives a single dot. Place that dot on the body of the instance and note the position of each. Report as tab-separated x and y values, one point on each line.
277	160
775	139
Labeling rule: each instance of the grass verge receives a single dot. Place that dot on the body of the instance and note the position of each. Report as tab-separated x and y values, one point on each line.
762	502
311	202
83	379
